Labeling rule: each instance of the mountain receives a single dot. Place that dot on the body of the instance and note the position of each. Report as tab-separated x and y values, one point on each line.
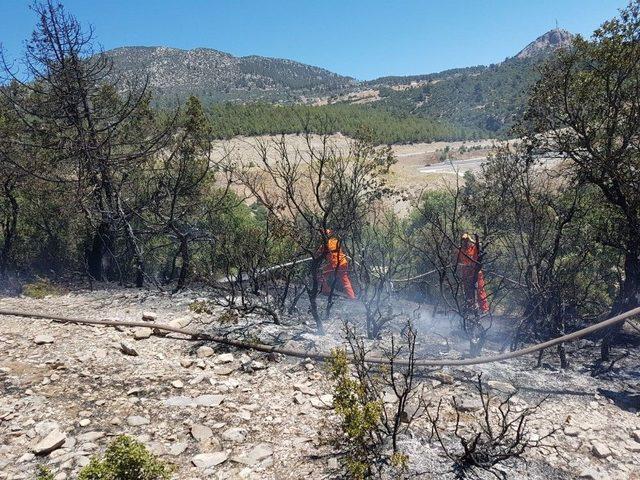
485	100
547	43
218	76
488	99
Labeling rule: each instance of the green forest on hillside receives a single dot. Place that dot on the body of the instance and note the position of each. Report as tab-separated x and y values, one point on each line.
488	99
229	120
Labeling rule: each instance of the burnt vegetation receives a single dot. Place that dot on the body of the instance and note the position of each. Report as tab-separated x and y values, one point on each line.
97	186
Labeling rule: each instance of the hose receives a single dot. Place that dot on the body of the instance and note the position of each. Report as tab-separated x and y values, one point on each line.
324	356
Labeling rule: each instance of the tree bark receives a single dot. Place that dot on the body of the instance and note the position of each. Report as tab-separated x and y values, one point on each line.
628	296
186	264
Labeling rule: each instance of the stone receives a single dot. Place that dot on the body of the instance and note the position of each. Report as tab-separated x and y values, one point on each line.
149	316
140	333
224	358
636	435
209	400
469	405
43	339
84	422
633	447
332	464
180	401
178	448
258	365
600	450
177	384
27	457
443	377
207	460
324	402
306	389
235	434
255	455
186	362
571	431
137	420
70	442
128	350
82	461
502	387
204	352
224	369
90	436
590	474
46	426
157	449
54	440
201	432
180	322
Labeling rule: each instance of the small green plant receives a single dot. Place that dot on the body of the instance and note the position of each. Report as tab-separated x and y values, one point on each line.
400	460
40	289
229	316
200	306
126	459
44	473
360	416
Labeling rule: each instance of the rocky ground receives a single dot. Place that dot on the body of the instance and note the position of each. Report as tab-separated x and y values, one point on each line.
68	390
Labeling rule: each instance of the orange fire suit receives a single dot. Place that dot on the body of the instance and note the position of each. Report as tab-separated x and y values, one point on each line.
472	282
336	264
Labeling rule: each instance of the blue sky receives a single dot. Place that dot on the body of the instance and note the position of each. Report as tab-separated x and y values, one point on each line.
363	39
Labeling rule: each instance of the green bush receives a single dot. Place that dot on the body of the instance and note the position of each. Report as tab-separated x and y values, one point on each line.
126	459
360	416
40	289
200	306
44	473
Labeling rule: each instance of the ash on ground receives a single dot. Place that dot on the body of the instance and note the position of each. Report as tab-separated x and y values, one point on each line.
215	412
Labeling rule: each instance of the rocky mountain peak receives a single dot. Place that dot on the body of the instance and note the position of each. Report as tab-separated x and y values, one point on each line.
552	40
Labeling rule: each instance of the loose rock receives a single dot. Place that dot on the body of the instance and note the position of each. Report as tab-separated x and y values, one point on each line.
600	450
204	352
255	455
128	350
224	358
235	434
137	420
43	339
209	400
141	333
206	460
469	405
51	442
201	432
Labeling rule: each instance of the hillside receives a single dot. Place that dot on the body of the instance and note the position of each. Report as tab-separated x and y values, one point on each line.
216	76
473	101
486	98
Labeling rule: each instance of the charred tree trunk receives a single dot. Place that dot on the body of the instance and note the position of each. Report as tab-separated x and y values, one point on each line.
96	260
313	294
186	264
628	297
9	232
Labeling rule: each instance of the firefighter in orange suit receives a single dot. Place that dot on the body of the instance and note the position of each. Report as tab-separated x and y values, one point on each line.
470	271
335	267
